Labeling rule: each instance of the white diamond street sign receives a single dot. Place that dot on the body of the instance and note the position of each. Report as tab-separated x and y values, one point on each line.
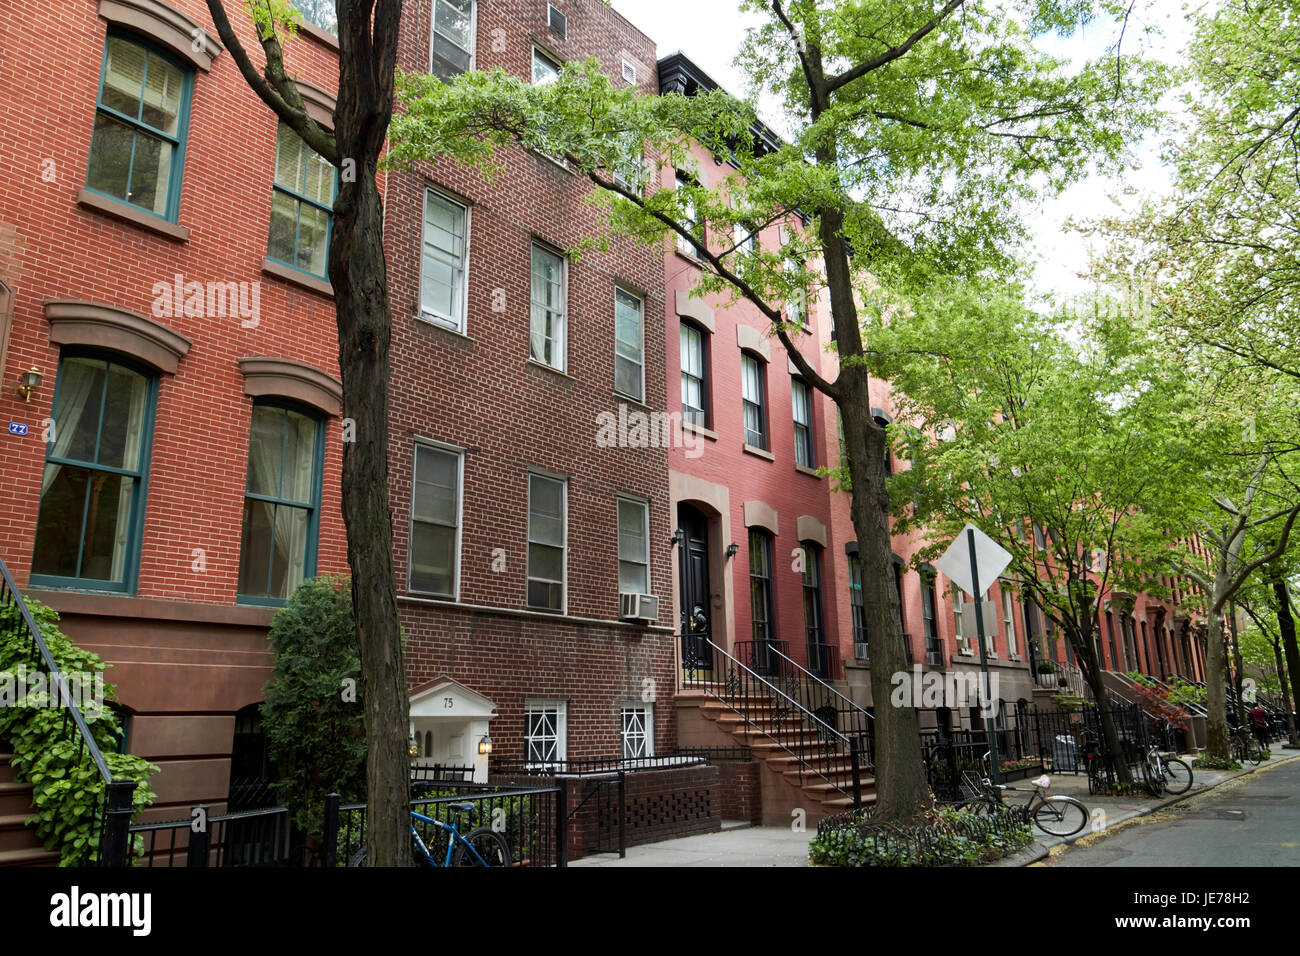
991	559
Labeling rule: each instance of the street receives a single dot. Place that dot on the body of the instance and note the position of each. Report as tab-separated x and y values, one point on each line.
1253	820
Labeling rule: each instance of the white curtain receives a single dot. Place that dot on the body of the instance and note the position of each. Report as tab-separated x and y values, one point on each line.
78	380
130	459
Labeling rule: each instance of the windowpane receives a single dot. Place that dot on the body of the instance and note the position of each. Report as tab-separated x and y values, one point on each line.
803	445
299	458
433	557
752	401
638	739
760	584
544	732
633	548
284	227
322	13
301	205
110	157
692	359
161	108
435	510
546	542
313	239
548	305
436	485
150	172
544	70
442	276
627	344
453	23
84	523
123	77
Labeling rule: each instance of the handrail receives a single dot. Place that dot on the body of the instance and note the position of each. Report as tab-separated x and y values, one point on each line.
854	707
117	792
743	674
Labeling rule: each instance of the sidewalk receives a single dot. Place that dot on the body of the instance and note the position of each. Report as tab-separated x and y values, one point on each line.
1119	810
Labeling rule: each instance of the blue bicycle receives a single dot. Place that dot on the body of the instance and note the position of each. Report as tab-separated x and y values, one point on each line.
482	846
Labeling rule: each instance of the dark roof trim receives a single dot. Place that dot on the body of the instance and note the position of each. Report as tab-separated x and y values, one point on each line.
679	74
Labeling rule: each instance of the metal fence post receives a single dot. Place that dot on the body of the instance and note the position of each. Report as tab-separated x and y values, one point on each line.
330	849
856	763
561	823
622	814
115	841
200	840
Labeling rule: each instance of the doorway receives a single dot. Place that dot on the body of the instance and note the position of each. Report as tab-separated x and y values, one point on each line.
693	567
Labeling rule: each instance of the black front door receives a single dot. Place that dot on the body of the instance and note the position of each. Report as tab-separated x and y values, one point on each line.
694	573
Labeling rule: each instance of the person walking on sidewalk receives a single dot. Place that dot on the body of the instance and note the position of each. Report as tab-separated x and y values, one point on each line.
1259	723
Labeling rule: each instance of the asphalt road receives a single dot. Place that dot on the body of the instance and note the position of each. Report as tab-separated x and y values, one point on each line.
1253	820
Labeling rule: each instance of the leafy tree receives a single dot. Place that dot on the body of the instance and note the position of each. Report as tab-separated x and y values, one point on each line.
1059	450
918	130
312	713
368	34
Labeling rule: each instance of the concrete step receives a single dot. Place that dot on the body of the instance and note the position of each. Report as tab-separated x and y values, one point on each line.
15	798
15	835
37	857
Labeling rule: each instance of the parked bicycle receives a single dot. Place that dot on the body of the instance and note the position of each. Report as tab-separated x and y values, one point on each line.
1163	774
1245	748
482	846
1057	815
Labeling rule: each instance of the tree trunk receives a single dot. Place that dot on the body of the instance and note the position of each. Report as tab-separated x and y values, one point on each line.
1238	667
1286	627
1216	698
359	276
1085	653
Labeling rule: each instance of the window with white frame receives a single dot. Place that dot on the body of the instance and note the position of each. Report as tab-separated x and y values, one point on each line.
1009	618
803	432
547	71
638	730
633	546
694	380
959	626
549	300
544	732
796	307
743	238
629	345
753	400
690	219
546	542
435	520
451	48
443	273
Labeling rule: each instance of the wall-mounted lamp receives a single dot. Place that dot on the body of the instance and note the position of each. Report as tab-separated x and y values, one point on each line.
733	549
29	382
677	537
485	745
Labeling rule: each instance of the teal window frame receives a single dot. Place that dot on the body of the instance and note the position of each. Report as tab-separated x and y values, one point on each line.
182	124
301	198
312	508
135	526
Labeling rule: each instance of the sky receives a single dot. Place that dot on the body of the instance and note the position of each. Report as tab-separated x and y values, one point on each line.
710	33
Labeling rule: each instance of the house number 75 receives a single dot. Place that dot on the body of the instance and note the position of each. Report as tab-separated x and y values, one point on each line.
448	703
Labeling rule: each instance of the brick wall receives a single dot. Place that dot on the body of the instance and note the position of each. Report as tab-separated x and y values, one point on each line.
739	792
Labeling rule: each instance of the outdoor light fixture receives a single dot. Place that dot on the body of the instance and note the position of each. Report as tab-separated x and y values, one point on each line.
677	537
732	550
29	382
485	745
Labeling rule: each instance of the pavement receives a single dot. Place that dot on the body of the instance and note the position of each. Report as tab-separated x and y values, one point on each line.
743	845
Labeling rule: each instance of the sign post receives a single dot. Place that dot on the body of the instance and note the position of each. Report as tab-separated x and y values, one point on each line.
974	556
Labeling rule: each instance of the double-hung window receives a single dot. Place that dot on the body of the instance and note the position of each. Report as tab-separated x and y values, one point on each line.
742	235
451	48
549	307
629	345
694	376
443	273
1009	618
435	520
933	646
545	72
803	431
321	13
638	726
796	307
690	219
818	652
959	622
138	147
760	585
633	546
281	503
544	733
753	400
860	649
546	542
96	464
302	207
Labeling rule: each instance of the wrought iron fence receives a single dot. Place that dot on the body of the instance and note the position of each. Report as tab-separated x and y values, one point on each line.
590	765
256	838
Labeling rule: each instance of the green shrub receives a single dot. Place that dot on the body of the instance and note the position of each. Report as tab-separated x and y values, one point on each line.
67	789
312	714
954	838
1216	763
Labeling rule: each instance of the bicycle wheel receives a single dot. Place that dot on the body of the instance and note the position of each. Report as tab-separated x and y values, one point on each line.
982	807
1178	776
417	858
1152	778
1254	753
1061	816
490	846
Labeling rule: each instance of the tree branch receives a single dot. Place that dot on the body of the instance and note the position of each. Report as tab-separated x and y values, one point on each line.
893	53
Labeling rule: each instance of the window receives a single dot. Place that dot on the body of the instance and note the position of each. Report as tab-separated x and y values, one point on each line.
803	434
695	394
546	537
743	238
818	659
860	649
88	525
281	501
321	13
959	623
549	306
883	422
302	207
638	731
760	584
630	169
435	521
1009	619
690	219
754	400
545	70
633	546
443	263
544	732
933	646
796	307
137	149
451	49
629	335
557	21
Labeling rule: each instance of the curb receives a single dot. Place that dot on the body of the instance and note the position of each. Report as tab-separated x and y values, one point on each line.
1043	853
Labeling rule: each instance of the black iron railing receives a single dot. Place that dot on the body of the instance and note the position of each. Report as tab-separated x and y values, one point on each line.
822	753
824	661
595	765
112	812
256	838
